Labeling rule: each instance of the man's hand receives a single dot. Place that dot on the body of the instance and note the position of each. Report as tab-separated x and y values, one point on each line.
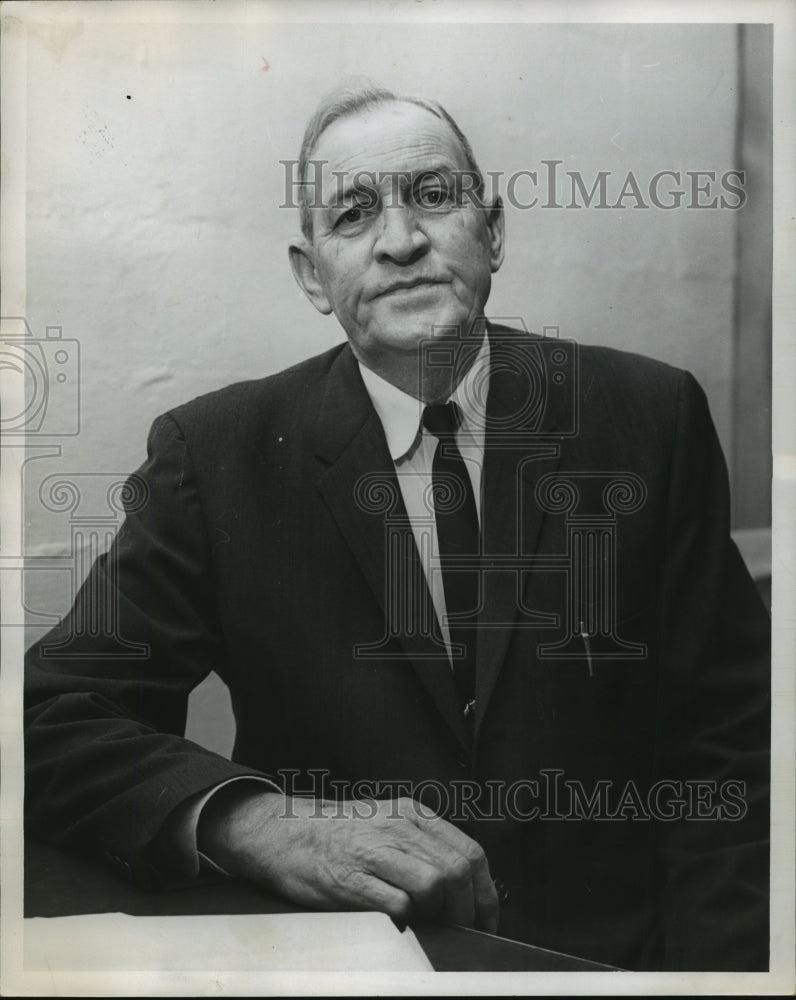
395	856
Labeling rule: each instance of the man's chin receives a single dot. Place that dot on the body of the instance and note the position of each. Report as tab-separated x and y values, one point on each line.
408	333
410	342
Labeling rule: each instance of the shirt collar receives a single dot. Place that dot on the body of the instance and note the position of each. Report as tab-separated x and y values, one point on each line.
400	413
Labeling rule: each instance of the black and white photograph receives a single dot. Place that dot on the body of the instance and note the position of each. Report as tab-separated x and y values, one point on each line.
397	498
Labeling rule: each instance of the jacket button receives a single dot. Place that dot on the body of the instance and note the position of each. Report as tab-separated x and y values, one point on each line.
462	759
503	893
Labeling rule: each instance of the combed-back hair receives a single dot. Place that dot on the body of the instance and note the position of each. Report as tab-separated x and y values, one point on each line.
349	99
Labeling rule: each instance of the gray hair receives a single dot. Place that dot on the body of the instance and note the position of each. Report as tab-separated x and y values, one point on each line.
348	100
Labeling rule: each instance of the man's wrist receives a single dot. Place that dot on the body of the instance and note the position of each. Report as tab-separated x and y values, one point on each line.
236	814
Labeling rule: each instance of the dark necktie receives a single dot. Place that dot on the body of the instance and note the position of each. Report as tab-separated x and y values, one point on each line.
458	536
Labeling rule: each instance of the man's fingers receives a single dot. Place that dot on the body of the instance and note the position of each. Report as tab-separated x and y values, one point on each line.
439	883
437	877
459	893
486	905
424	883
376	894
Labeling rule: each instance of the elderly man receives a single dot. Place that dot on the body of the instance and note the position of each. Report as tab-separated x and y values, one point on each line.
492	655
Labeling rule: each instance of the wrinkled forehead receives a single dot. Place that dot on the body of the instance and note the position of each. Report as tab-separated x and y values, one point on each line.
394	137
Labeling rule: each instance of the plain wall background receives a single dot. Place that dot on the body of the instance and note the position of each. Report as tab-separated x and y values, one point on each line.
154	236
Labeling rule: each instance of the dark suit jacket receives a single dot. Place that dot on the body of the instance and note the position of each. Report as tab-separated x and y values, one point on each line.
255	545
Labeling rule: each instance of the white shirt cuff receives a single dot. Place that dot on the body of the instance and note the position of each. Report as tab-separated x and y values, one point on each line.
184	830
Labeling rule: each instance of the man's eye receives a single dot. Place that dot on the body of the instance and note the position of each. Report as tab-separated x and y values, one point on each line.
434	197
353	214
353	219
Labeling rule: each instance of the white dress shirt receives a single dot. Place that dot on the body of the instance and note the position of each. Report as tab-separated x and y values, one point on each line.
412	449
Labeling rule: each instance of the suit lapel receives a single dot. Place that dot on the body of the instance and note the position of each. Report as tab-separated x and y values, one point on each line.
361	489
521	446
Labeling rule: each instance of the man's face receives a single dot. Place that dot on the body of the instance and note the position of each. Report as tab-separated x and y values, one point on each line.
398	254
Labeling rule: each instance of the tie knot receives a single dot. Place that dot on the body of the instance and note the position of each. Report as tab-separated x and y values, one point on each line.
442	419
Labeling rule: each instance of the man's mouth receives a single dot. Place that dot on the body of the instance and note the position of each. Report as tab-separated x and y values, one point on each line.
415	284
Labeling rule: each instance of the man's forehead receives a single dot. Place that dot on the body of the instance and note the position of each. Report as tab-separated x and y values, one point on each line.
389	136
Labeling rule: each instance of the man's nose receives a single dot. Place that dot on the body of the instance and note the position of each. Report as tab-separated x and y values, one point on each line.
400	238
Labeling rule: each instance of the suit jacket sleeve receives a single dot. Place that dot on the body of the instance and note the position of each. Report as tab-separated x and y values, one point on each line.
714	716
106	760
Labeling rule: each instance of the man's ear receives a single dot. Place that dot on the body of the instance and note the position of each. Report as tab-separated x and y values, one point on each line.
302	263
495	224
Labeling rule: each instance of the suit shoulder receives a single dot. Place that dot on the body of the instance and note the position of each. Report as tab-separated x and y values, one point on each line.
644	399
619	368
625	382
258	397
634	383
630	369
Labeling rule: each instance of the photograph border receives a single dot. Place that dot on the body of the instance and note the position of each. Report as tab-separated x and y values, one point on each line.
17	16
